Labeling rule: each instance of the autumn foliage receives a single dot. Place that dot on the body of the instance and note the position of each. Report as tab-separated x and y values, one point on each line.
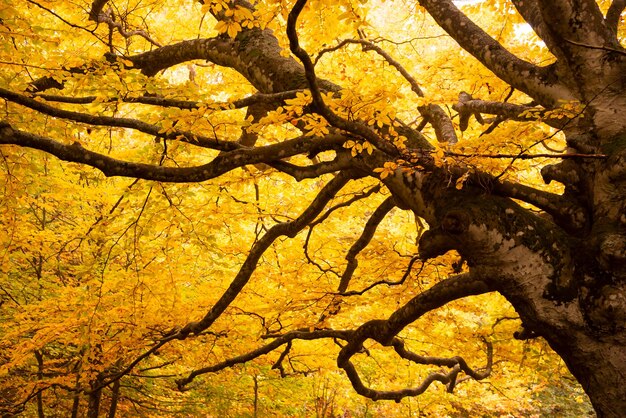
196	221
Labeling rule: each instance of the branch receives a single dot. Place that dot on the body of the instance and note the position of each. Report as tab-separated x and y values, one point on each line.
281	340
366	236
109	19
219	50
614	13
110	121
356	128
385	331
327	213
568	213
467	106
220	165
181	104
405	276
518	73
258	61
46	83
597	47
300	173
530	11
531	156
579	22
444	130
96	9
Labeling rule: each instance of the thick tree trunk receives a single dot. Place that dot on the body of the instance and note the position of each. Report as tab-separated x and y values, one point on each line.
600	367
565	276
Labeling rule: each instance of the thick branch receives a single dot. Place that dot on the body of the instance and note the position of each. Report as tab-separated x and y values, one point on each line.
254	53
520	74
217	50
530	11
579	21
614	13
511	111
221	164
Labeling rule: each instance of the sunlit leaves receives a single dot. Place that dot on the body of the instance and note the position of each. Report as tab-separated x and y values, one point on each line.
386	170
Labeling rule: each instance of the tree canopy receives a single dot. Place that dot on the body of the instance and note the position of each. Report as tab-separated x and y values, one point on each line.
297	208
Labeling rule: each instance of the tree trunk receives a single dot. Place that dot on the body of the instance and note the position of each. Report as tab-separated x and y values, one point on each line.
39	357
93	406
115	395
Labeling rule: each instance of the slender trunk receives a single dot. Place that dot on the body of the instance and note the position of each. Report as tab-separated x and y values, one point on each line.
76	396
93	408
39	357
75	405
114	398
256	396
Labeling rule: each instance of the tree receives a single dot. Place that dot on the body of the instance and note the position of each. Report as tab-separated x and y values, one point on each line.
119	104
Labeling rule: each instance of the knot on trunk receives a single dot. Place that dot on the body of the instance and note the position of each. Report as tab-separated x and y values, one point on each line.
445	237
605	309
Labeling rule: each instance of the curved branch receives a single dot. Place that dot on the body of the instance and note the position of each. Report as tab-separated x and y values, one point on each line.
254	53
405	276
110	121
385	331
356	128
520	74
221	164
218	50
